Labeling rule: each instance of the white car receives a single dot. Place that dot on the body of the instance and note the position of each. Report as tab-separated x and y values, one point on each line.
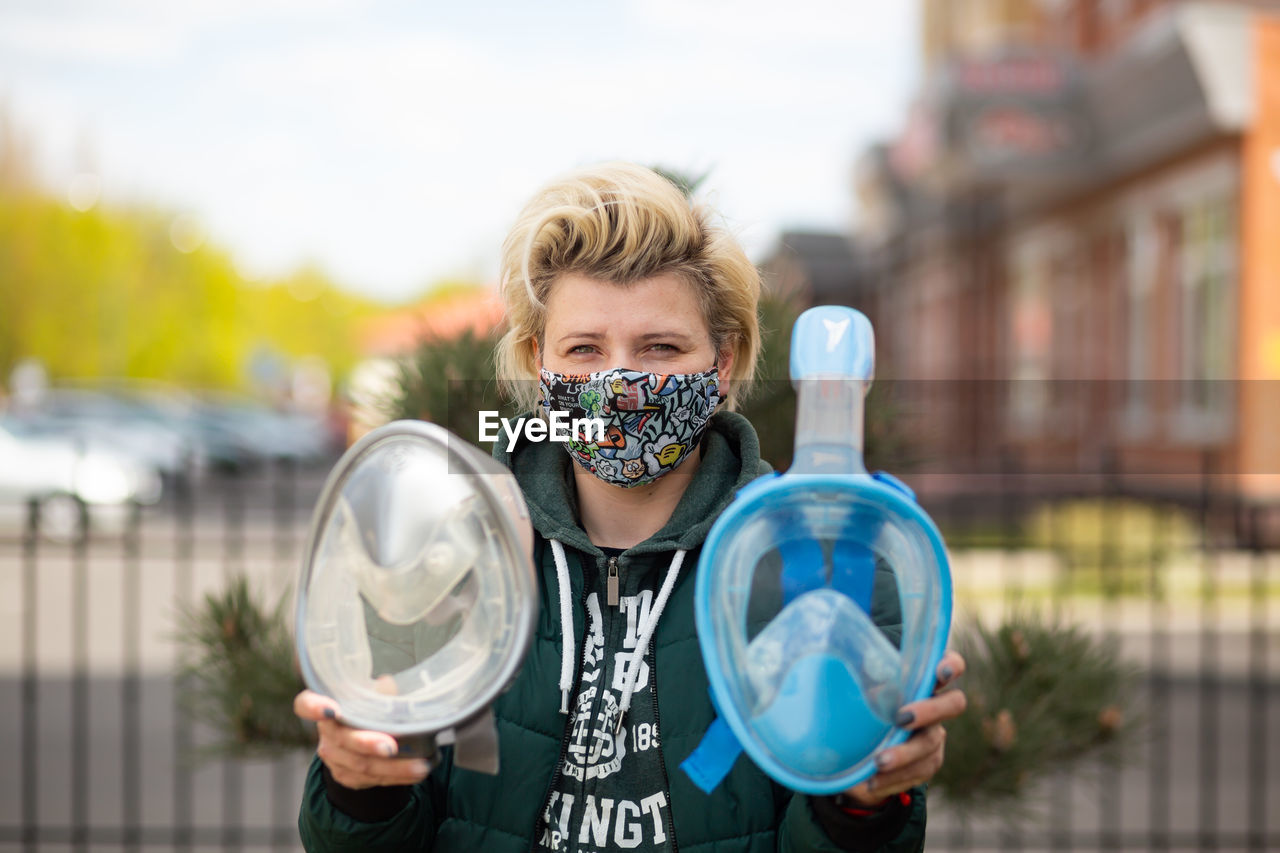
75	488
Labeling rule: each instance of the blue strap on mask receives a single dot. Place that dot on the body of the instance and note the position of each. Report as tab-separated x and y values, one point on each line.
714	756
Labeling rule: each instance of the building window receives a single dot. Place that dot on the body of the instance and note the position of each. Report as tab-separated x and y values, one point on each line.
1206	308
1068	390
1032	341
1139	290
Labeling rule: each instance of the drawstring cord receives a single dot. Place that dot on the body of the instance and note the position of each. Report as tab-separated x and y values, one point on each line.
567	649
642	644
566	625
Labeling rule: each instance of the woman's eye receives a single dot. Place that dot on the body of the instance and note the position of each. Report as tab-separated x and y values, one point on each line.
582	349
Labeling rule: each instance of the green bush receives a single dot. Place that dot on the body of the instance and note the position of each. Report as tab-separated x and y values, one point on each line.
447	381
1044	698
1122	543
238	674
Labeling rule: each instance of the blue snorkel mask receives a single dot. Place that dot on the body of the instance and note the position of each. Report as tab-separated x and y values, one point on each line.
803	679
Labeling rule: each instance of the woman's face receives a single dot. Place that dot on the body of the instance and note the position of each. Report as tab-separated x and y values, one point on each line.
654	325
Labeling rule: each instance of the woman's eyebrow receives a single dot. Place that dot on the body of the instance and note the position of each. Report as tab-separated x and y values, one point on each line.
679	337
581	336
647	337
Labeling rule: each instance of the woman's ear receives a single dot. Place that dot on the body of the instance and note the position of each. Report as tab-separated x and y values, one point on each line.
724	367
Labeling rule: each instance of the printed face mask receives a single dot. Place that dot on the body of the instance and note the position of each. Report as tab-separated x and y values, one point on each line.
642	424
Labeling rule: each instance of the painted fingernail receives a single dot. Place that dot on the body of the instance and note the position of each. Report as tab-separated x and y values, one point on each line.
871	784
387	749
330	714
945	673
905	718
883	760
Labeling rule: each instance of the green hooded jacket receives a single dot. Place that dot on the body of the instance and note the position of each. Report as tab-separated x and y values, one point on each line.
461	810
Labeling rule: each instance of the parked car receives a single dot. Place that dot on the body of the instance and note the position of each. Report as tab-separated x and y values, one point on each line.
74	488
264	433
93	416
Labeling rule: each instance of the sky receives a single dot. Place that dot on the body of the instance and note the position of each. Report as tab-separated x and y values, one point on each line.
392	144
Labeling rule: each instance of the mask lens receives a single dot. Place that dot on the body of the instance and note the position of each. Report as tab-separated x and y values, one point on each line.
414	604
818	683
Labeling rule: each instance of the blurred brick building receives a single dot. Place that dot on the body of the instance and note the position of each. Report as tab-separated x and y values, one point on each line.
1071	251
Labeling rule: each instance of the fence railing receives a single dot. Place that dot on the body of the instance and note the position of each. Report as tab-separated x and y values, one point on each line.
95	752
1186	586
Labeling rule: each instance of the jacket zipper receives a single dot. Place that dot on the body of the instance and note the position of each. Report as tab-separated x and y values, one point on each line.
657	727
539	824
612	591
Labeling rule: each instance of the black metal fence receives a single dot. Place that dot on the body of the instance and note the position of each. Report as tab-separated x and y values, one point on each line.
96	754
1185	583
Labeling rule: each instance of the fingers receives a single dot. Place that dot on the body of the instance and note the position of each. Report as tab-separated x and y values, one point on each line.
310	705
903	767
917	760
863	794
936	709
362	759
909	764
355	757
950	668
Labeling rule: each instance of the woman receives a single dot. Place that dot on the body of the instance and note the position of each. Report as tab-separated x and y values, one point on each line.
624	300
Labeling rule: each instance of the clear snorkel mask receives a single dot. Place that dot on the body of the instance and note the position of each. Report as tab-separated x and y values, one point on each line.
803	679
417	599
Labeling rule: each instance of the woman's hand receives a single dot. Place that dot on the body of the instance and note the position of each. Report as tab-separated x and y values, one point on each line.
356	758
917	760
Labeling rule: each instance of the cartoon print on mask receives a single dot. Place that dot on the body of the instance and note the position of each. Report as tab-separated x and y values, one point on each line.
665	451
652	421
590	400
613	438
608	468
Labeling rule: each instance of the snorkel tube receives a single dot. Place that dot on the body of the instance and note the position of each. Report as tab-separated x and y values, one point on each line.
823	596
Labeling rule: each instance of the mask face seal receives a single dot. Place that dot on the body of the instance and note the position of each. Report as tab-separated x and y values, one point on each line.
797	574
417	599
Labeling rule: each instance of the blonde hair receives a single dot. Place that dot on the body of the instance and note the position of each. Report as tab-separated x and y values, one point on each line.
619	222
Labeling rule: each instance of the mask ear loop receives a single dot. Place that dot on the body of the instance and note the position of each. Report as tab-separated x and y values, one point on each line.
541	407
720	381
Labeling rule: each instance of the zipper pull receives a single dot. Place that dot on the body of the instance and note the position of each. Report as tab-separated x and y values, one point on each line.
612	587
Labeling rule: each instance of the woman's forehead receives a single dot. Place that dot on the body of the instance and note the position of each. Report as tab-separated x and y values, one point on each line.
657	306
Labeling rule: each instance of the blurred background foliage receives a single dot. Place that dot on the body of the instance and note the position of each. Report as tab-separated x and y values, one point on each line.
1116	537
1044	698
447	380
138	292
238	672
105	292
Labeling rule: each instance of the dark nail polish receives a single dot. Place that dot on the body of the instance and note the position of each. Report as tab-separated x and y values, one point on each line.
905	718
945	673
330	714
